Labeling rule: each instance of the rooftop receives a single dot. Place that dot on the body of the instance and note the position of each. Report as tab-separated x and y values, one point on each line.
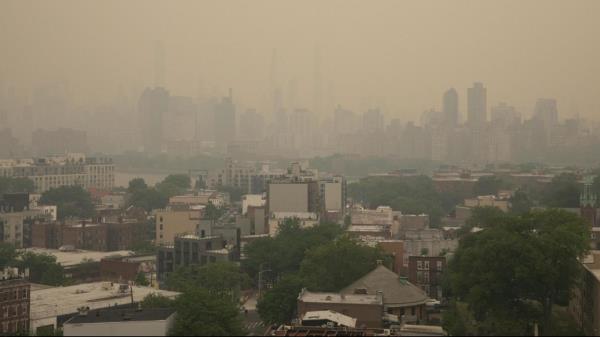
329	315
52	302
73	258
310	297
120	315
396	291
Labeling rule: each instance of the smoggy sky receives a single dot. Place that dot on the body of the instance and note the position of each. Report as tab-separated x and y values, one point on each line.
400	55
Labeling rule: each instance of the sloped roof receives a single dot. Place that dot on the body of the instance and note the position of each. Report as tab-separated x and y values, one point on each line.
396	292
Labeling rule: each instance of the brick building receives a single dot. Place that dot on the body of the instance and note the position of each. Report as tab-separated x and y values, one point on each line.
426	273
367	309
14	303
88	236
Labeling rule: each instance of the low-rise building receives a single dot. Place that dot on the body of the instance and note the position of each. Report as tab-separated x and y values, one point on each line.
400	297
121	322
366	308
52	307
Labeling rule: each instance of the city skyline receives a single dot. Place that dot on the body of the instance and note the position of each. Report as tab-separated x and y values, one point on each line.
392	59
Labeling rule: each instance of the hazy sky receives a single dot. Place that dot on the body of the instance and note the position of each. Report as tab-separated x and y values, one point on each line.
400	55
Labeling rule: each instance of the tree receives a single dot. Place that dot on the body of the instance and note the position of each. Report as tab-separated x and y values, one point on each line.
278	305
148	199
222	279
213	212
200	313
16	185
157	301
140	280
71	201
335	265
484	217
520	203
235	194
411	195
489	185
43	268
284	253
563	192
136	185
8	255
512	273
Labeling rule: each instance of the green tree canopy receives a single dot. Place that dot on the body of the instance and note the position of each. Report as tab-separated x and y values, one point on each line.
489	185
71	201
520	203
136	185
278	305
16	185
563	191
43	268
200	313
284	253
517	269
222	279
8	255
333	266
412	195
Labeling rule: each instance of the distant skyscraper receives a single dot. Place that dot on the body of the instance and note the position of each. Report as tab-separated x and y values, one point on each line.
503	115
159	64
152	106
225	128
546	110
477	105
450	107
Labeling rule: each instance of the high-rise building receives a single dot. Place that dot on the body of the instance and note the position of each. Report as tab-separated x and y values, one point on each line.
225	122
152	106
546	110
450	107
477	105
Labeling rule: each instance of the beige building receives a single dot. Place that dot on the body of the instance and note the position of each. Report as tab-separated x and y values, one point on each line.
173	221
488	201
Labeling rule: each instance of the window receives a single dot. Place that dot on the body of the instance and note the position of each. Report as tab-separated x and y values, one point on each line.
440	266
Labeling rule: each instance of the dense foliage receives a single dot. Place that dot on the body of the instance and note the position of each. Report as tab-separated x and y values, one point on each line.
200	313
150	198
320	258
411	195
512	273
71	201
15	185
43	268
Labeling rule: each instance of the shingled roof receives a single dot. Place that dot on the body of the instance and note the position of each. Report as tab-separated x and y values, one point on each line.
397	292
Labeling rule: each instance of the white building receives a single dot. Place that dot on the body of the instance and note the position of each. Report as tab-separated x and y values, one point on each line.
121	322
56	171
50	304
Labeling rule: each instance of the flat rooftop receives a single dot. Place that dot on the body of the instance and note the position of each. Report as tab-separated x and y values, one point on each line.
310	297
122	315
73	258
57	301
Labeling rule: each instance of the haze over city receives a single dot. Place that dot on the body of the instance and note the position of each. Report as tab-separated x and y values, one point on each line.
397	55
299	168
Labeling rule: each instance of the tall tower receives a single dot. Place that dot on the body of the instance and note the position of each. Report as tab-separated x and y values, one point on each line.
589	202
450	107
477	105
